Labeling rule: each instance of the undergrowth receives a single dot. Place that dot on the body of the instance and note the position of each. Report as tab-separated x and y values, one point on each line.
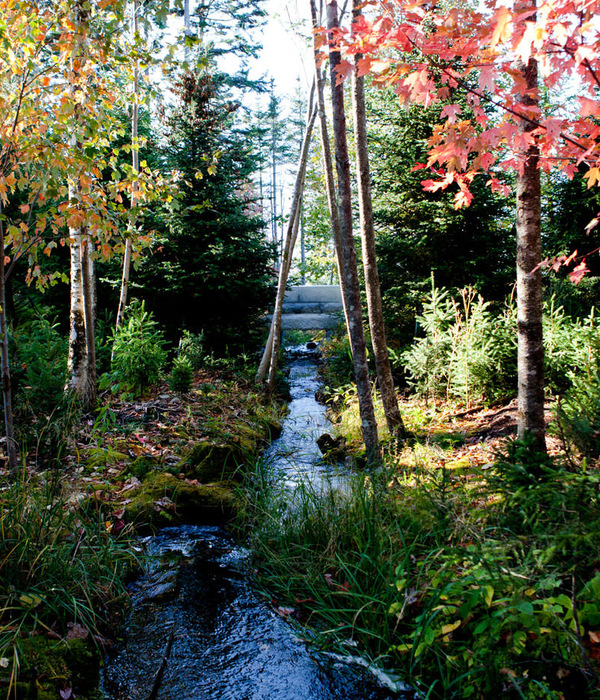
468	583
61	569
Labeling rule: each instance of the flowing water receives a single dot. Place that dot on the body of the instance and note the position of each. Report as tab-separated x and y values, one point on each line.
198	629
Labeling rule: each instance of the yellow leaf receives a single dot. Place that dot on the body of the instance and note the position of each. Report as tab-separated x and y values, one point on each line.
31	601
446	629
488	594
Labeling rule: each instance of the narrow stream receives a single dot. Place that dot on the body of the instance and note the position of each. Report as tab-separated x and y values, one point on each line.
199	630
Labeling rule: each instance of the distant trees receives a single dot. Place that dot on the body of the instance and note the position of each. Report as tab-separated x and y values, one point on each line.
421	232
210	271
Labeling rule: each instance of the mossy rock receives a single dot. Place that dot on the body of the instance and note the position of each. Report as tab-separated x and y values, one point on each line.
48	666
274	426
209	462
163	499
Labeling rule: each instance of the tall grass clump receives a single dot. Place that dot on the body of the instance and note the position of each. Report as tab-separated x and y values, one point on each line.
466	585
60	566
336	550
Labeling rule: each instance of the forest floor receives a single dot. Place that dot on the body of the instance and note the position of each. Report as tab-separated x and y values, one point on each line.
168	457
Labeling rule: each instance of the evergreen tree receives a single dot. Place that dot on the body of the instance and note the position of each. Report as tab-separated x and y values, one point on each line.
419	232
210	272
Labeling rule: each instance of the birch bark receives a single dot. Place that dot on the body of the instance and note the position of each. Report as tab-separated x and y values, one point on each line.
81	365
529	277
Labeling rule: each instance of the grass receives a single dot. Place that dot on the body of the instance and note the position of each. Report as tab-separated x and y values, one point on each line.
61	568
467	574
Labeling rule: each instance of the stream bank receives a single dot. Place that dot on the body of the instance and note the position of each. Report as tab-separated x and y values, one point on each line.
136	465
199	628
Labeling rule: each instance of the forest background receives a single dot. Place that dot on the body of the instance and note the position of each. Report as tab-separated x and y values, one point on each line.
121	137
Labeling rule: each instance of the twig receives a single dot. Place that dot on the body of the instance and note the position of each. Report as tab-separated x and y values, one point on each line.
163	664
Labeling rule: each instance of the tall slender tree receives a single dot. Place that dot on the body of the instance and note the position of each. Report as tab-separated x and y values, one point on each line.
529	249
82	355
135	164
326	154
349	277
369	258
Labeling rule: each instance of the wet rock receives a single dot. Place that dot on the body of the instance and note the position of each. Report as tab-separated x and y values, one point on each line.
333	449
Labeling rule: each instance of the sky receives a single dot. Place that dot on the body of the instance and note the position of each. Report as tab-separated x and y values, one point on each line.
286	56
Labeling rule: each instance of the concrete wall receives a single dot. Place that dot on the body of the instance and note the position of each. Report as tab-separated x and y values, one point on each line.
312	307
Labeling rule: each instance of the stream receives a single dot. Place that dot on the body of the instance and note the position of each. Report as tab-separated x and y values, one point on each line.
198	629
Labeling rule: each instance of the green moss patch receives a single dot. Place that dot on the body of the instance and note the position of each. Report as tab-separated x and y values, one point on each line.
164	499
49	666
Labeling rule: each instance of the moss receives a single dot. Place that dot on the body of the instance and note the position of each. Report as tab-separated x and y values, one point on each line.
164	499
47	666
142	466
208	462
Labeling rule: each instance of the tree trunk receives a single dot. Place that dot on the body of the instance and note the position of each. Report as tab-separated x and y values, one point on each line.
11	445
529	282
349	278
274	178
81	360
327	159
135	164
82	356
271	352
373	291
88	280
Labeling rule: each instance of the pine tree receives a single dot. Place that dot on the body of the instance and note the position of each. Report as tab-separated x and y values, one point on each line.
211	271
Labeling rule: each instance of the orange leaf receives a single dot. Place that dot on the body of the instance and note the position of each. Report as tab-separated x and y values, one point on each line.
579	272
592	176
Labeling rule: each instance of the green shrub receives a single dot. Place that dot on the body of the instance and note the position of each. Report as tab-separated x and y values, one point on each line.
427	361
138	350
466	352
181	376
44	412
191	348
571	347
41	363
578	414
